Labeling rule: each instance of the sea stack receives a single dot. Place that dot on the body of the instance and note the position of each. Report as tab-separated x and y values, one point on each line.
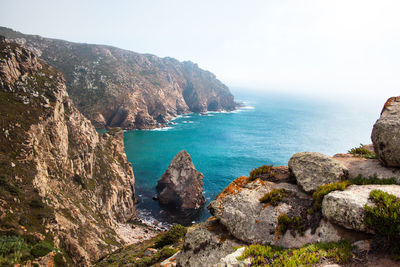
181	186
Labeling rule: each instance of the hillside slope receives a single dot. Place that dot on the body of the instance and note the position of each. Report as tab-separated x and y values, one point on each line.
116	87
61	183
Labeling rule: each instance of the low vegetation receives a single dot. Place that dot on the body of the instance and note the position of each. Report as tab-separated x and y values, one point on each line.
384	219
274	197
338	252
176	233
384	216
362	152
148	252
361	180
16	249
323	190
265	170
285	223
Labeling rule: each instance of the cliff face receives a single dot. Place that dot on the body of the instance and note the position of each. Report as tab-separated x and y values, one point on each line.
60	179
115	87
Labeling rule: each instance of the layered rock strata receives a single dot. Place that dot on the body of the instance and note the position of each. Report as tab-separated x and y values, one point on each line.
61	178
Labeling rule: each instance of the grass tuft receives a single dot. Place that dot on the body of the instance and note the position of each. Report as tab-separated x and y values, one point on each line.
362	152
263	170
275	196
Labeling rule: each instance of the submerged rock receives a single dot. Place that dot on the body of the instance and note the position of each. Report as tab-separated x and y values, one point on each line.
181	186
346	208
312	169
386	133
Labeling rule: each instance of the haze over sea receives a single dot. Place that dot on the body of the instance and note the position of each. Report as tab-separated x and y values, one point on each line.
223	146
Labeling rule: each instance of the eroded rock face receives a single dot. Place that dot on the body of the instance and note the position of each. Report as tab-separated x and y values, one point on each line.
312	169
181	186
346	208
118	88
82	180
238	208
386	133
206	244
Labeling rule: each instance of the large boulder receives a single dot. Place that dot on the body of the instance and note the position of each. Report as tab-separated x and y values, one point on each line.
238	208
346	208
207	244
386	133
312	169
181	186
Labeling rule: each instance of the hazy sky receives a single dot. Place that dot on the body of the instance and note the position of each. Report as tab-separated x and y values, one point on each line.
323	46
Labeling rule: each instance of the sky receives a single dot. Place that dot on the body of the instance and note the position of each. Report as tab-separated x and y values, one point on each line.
327	47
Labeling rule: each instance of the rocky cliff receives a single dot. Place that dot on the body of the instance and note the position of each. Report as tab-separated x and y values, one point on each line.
115	87
62	184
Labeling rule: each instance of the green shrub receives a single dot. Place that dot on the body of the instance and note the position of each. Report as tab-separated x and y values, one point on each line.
340	252
384	217
362	152
12	249
176	232
361	180
41	249
275	196
323	190
285	223
263	170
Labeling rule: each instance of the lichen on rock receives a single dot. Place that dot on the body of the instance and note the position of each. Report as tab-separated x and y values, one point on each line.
312	169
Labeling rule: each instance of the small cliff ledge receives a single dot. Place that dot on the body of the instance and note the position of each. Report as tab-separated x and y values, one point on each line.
62	184
115	87
181	186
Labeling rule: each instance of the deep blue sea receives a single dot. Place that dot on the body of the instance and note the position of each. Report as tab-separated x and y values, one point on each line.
267	130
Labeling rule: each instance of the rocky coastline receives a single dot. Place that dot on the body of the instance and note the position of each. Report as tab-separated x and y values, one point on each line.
67	192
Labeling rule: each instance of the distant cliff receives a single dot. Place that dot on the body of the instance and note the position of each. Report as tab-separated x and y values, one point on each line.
62	184
115	87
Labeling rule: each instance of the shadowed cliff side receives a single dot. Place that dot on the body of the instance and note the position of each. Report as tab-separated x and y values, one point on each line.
115	87
62	184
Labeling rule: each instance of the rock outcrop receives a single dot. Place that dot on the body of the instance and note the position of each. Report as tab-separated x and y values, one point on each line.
206	244
386	133
239	209
346	208
114	87
181	186
312	169
367	167
60	178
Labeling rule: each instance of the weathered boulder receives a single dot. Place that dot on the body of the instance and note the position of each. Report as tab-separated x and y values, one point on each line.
346	208
206	244
238	208
312	169
181	186
386	133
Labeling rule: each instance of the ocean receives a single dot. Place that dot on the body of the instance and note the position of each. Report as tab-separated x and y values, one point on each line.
269	129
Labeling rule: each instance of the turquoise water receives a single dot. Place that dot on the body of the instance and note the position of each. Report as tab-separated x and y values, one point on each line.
224	146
